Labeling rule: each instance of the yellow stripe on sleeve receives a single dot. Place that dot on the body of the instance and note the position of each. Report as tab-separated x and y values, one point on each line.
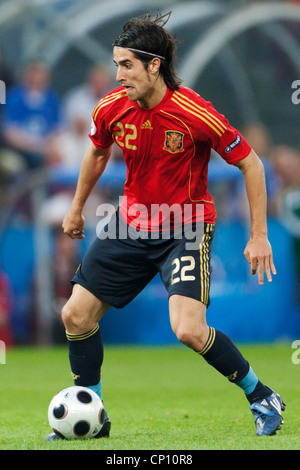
202	117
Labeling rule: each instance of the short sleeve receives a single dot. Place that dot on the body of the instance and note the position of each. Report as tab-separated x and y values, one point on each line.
226	140
99	134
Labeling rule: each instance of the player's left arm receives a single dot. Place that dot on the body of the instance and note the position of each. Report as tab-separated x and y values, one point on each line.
258	251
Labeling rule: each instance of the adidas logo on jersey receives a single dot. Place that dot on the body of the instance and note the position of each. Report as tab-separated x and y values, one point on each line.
147	125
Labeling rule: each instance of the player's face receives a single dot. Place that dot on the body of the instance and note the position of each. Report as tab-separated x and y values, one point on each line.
141	85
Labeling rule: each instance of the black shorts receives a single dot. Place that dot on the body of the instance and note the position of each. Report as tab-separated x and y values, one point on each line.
117	267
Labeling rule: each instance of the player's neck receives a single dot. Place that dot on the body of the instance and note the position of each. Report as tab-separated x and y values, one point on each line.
155	95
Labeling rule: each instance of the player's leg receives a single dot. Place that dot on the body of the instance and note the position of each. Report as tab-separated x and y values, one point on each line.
112	273
80	316
188	321
186	275
185	272
83	311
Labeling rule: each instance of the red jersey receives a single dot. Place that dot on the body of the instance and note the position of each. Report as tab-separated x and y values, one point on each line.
166	150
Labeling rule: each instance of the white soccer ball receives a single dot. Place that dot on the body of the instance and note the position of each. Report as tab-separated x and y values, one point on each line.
76	413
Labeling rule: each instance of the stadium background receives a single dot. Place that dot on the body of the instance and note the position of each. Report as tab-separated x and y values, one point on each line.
244	56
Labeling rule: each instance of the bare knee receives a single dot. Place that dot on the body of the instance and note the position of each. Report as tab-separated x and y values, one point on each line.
74	322
82	312
191	337
188	321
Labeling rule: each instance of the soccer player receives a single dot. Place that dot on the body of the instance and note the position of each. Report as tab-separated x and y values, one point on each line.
166	132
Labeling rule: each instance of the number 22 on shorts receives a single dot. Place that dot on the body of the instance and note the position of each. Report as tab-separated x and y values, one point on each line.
179	272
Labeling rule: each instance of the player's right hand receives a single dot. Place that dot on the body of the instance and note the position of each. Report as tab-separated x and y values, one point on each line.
73	224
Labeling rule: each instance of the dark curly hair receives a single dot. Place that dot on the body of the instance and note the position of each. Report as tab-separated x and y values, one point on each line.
147	33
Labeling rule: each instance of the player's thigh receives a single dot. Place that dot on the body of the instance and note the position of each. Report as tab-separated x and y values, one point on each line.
186	270
82	311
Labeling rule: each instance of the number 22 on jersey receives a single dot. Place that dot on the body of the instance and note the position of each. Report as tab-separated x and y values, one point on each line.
130	133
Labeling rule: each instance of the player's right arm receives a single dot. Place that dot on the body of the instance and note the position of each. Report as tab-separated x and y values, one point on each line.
92	167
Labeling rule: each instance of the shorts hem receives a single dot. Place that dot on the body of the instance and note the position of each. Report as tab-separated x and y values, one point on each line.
96	294
191	296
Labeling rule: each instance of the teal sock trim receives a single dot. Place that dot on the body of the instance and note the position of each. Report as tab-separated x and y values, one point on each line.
248	383
97	388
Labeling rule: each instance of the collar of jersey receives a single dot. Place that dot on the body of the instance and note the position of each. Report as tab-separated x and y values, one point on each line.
166	98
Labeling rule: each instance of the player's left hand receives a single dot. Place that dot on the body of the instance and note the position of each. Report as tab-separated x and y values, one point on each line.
258	253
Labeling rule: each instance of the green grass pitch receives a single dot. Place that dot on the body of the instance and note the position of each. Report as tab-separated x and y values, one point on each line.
158	398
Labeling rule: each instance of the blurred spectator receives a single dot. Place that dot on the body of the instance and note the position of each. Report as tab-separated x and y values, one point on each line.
7	162
5	73
287	164
66	252
229	192
258	136
65	263
70	145
32	115
5	310
6	77
81	101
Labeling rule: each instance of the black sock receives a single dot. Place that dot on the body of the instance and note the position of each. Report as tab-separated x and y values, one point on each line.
86	357
220	352
260	392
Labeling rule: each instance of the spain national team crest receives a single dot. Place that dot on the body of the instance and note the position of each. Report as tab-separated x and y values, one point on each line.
173	141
